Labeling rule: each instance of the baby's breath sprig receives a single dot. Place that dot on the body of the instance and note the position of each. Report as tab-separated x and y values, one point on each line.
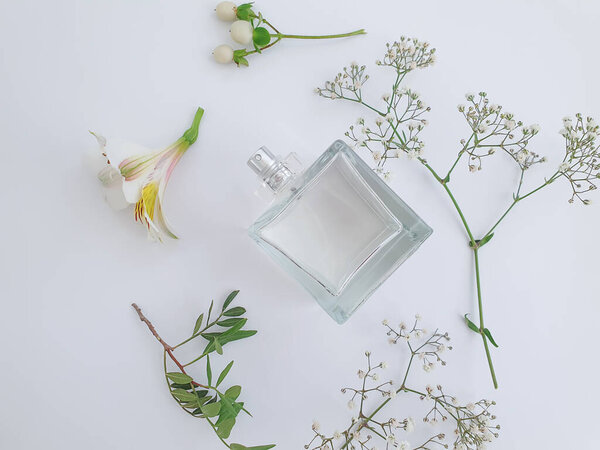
396	130
251	28
207	399
471	423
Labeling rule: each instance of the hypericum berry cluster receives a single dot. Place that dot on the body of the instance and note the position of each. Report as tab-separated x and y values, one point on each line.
472	422
250	28
581	164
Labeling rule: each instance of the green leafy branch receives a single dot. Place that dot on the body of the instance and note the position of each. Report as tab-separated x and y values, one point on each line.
206	399
257	32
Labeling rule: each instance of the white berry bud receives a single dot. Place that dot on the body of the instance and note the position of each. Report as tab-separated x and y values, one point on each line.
241	32
226	11
223	54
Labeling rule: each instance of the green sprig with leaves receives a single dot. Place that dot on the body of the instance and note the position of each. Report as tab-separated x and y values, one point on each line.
251	29
208	399
396	129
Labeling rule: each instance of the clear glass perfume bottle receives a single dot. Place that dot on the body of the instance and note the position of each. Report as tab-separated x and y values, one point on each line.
336	227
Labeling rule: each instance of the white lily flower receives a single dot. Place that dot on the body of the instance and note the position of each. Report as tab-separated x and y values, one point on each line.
141	180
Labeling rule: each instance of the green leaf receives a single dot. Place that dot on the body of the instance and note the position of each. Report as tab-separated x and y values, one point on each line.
224	430
244	11
258	447
184	386
183	396
471	325
208	370
233	392
234	312
218	347
211	410
485	240
489	336
229	322
212	302
229	299
261	36
179	378
224	373
226	338
198	324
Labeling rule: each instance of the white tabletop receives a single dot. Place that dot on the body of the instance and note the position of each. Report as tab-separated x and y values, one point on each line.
78	369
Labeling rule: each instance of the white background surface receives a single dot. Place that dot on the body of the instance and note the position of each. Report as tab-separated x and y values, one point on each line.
78	370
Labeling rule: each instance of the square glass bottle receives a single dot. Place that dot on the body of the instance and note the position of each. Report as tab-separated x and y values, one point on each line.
336	227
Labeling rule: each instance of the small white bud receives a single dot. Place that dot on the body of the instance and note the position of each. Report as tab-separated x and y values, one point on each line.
226	11
241	32
223	54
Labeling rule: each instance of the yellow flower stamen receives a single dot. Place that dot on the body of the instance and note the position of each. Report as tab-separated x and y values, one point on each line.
145	207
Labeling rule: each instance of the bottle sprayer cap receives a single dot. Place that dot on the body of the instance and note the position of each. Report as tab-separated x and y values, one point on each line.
271	169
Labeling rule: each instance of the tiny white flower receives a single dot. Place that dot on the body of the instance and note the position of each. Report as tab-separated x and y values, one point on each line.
389	117
384	365
385	322
356	435
522	156
316	426
379	121
385	97
241	32
337	435
361	374
391	439
412	65
351	405
377	156
426	367
563	167
404	445
535	128
375	377
410	425
469	96
226	11
471	407
510	124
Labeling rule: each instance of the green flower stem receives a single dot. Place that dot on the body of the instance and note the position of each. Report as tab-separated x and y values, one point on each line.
323	36
481	325
518	198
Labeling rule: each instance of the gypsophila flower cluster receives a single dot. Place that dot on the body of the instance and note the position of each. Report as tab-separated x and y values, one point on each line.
494	129
471	424
581	164
394	128
428	353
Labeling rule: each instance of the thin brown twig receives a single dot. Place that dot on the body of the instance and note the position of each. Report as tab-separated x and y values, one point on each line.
166	346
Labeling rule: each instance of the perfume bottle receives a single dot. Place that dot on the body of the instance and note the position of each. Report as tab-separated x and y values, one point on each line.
336	227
